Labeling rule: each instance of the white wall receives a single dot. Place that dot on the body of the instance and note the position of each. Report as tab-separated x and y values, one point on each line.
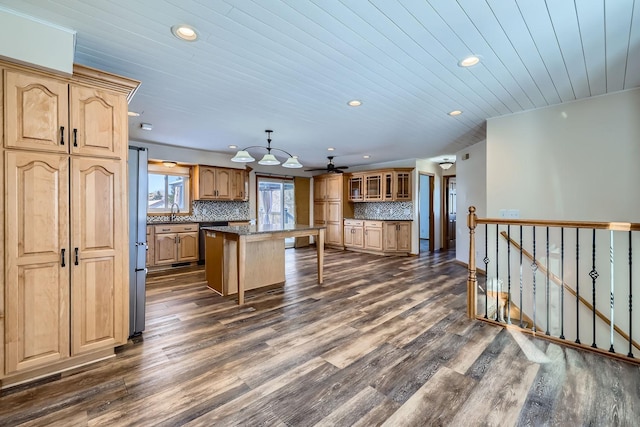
20	33
575	161
471	188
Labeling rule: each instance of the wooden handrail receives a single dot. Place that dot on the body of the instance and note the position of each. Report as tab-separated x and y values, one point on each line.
559	282
615	226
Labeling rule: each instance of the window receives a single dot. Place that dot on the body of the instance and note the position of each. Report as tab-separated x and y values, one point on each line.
168	186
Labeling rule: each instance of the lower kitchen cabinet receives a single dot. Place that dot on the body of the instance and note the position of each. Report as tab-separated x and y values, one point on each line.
397	236
175	243
383	237
373	235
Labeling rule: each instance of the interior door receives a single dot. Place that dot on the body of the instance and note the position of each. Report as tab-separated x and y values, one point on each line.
450	212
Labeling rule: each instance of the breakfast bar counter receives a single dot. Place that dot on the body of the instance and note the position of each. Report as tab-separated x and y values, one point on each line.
240	258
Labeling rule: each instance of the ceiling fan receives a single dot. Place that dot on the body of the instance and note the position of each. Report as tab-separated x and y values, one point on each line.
331	168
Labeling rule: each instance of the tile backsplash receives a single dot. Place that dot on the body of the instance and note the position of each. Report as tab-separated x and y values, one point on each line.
209	210
383	210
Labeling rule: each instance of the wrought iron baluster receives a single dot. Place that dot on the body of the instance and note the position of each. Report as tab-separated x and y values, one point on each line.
562	285
521	324
486	271
630	354
611	289
547	284
577	286
534	269
594	275
508	274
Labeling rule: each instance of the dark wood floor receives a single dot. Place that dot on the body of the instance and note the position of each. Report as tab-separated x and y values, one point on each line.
384	341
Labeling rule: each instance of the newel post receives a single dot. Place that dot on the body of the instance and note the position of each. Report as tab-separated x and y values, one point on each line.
472	280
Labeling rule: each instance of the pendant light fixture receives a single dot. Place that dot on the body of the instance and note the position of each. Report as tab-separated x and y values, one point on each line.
268	159
446	164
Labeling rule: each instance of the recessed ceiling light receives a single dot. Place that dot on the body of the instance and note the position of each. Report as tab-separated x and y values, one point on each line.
469	61
132	114
185	32
330	149
455	113
233	146
354	103
366	156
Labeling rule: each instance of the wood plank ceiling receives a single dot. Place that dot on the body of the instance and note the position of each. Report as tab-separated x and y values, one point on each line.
292	65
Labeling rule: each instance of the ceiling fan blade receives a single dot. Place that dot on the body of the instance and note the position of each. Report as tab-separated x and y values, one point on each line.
341	167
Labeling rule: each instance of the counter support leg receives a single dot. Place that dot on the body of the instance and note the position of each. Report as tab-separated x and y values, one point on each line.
320	249
242	257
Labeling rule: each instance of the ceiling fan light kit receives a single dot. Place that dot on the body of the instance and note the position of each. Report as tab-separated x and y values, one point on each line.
243	156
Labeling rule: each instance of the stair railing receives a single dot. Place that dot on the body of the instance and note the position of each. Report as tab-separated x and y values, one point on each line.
550	312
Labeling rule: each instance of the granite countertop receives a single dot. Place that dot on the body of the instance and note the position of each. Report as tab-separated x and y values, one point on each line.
245	230
194	221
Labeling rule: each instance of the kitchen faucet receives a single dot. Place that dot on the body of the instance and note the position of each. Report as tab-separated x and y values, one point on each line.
172	216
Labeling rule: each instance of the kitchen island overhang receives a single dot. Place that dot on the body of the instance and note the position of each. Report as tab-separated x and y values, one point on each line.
239	258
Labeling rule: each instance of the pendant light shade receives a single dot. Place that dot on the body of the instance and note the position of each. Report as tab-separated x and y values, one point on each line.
269	160
243	156
292	162
446	165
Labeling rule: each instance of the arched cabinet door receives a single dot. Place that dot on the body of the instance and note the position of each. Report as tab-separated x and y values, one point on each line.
98	122
99	252
37	260
37	112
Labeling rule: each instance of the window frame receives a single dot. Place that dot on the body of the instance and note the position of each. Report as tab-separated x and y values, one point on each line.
183	171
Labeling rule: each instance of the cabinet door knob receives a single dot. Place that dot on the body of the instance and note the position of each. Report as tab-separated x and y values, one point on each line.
62	138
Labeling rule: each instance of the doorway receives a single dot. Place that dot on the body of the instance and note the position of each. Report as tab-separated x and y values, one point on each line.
275	203
450	212
425	212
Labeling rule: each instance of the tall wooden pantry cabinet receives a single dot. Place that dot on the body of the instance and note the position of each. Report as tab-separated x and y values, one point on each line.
65	239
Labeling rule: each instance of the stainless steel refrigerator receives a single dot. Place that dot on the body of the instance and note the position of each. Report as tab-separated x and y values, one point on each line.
138	196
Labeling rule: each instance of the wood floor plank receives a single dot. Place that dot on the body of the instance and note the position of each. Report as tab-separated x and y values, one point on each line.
436	402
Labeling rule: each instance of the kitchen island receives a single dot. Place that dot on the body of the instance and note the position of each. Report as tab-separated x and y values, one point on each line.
240	258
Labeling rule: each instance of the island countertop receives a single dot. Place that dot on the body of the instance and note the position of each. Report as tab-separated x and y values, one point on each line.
247	230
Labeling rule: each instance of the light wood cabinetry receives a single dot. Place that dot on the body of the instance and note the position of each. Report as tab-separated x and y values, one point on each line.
373	235
214	183
49	114
38	260
353	233
330	206
64	300
397	236
240	184
392	185
385	237
175	243
98	234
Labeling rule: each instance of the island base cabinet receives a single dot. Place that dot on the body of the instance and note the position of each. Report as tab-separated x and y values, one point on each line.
264	261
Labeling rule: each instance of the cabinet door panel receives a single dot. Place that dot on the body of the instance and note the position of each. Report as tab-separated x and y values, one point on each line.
373	238
206	183
223	184
36	111
333	235
165	249
319	212
334	212
99	253
98	120
37	285
390	236
404	237
187	247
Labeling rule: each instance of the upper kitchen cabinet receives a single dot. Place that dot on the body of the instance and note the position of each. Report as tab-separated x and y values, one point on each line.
328	187
389	185
46	113
214	183
37	112
98	119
